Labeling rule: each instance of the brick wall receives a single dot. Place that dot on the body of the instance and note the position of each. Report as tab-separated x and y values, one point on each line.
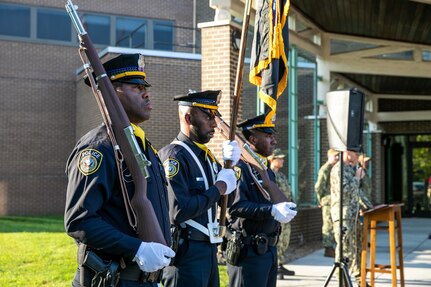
397	105
419	127
219	65
217	73
167	79
305	137
37	114
306	226
377	168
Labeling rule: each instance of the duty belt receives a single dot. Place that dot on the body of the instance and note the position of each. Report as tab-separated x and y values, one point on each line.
133	273
191	233
252	239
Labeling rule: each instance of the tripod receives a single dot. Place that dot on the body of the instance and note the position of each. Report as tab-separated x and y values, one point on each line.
343	275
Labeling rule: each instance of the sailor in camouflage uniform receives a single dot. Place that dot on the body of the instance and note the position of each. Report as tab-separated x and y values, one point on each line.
277	161
323	192
353	201
365	183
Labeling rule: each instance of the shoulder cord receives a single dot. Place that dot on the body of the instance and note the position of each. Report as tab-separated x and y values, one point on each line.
191	222
256	181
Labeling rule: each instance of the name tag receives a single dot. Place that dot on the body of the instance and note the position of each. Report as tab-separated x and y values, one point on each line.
199	179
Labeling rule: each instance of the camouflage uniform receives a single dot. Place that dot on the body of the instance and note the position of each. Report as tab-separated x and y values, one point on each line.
323	191
365	185
353	199
284	238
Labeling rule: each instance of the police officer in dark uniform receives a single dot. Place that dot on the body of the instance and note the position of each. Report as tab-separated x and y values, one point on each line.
95	212
196	182
253	216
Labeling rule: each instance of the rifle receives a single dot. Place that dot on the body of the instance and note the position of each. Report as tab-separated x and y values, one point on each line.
268	188
126	147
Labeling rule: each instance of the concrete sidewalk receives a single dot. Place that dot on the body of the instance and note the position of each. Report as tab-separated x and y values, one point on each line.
313	269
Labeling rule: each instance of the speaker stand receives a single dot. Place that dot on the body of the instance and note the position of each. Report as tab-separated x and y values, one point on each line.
343	274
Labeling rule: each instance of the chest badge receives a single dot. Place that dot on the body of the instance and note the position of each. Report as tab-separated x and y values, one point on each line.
237	171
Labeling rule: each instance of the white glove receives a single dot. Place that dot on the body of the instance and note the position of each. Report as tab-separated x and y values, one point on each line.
231	151
152	256
228	176
282	211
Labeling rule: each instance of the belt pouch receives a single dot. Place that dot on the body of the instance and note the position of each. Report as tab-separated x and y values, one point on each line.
233	248
261	244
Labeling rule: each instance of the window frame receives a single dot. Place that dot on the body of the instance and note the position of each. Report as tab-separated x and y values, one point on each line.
33	37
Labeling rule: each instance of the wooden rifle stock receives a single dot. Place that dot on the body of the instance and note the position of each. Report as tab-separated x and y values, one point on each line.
248	155
146	224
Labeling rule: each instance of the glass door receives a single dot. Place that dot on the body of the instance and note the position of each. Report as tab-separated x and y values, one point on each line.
419	199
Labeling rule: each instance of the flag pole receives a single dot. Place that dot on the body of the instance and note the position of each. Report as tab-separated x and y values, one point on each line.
235	108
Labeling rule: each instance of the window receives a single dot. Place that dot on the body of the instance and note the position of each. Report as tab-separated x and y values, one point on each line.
39	24
14	20
163	36
98	27
131	32
53	25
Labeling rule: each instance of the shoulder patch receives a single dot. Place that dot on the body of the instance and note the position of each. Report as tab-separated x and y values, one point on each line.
171	166
89	161
237	171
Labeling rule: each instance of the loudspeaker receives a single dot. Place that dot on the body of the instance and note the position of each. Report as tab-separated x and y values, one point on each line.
345	110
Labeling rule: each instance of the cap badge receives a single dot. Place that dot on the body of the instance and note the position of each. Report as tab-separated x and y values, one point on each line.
141	63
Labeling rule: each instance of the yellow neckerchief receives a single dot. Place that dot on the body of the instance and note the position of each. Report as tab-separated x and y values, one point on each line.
206	150
139	133
265	160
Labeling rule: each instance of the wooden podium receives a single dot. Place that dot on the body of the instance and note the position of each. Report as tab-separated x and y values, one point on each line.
392	215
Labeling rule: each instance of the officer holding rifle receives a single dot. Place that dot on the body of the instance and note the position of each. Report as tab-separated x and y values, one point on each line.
97	212
255	219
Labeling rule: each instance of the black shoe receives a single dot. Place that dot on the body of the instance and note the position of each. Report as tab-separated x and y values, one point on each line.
285	271
280	276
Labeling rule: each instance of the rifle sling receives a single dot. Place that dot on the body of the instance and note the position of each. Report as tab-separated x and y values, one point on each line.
127	204
262	190
131	215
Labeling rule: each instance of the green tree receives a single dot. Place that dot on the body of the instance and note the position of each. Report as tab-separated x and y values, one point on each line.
422	160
